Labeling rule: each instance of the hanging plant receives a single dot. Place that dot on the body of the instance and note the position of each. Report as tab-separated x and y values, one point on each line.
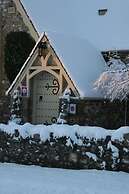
17	49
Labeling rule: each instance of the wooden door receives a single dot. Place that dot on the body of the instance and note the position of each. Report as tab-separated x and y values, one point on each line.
45	98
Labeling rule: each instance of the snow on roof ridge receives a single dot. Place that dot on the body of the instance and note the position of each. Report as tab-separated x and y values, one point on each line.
68	35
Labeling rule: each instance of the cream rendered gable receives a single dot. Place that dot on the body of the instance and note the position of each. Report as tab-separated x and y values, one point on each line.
35	64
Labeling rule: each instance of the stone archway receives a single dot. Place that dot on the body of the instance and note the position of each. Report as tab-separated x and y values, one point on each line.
45	98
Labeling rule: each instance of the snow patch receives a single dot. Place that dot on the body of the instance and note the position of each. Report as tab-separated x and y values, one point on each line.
91	155
119	133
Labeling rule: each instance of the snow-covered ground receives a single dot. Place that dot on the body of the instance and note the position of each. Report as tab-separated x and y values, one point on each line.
17	179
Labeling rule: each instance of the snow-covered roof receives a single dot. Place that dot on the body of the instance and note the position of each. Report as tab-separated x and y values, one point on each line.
81	18
82	61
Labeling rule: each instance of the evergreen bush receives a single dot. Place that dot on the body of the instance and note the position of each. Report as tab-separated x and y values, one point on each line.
17	48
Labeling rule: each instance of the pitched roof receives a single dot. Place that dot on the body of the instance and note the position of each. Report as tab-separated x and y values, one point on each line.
81	18
82	61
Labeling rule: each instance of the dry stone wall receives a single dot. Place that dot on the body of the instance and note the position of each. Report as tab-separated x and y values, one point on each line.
64	153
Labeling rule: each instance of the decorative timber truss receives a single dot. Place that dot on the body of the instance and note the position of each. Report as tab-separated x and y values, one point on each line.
43	58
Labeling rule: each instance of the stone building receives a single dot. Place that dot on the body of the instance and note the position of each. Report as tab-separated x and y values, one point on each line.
72	58
13	18
44	77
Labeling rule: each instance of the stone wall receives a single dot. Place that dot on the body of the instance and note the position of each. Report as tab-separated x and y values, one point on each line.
4	109
98	112
10	20
63	153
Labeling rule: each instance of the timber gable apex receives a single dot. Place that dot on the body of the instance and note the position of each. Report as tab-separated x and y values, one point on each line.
37	63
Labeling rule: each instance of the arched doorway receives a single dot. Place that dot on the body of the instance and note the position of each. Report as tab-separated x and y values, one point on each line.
45	98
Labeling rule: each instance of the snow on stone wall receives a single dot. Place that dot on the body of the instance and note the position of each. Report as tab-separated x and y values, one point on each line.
65	146
74	132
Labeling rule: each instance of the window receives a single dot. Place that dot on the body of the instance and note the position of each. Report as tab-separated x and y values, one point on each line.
102	12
